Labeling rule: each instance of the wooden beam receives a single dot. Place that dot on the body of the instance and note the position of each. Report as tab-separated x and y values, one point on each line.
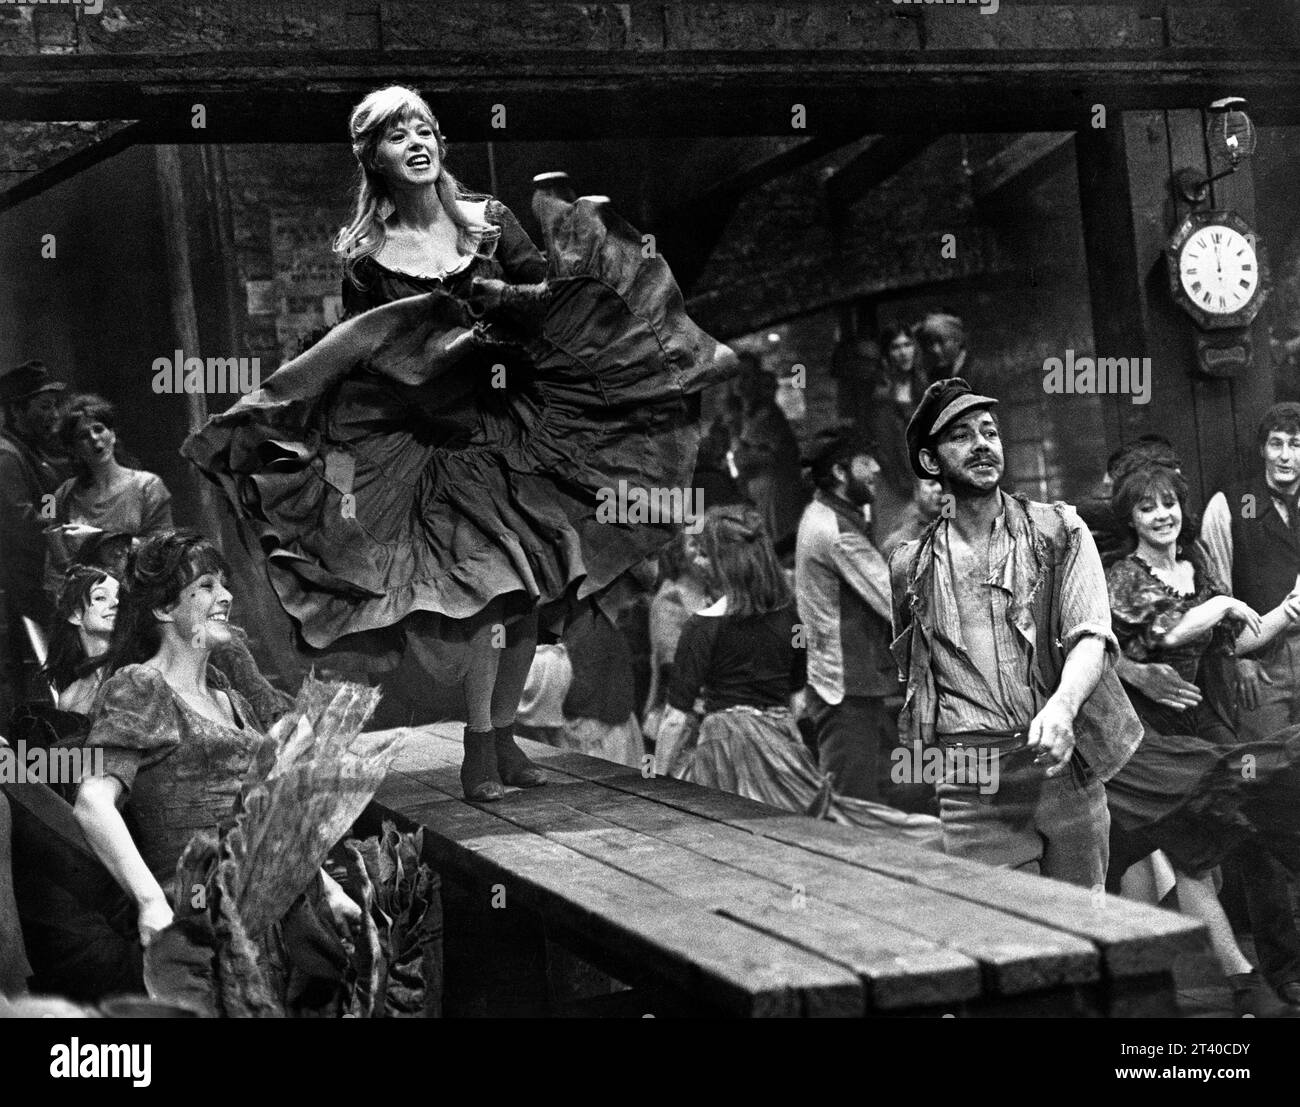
1129	210
874	165
1020	166
689	233
65	157
300	95
760	172
180	283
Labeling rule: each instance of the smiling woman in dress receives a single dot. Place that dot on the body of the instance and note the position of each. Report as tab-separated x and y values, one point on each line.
175	733
430	471
1191	789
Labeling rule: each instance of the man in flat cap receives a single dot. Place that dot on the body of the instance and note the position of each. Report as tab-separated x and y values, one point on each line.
1003	637
29	398
842	591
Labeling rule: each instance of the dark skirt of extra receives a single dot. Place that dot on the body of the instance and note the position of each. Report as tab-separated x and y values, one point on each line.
367	512
1198	801
758	753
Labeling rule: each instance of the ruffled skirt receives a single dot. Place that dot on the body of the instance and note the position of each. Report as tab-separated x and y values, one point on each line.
760	755
370	504
1198	801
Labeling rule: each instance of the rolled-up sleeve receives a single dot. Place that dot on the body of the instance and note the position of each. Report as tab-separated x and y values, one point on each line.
1085	605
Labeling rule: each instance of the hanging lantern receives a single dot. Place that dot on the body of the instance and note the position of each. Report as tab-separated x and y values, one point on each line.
1230	137
1229	131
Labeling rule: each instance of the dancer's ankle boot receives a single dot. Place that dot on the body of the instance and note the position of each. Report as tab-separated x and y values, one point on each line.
515	768
478	771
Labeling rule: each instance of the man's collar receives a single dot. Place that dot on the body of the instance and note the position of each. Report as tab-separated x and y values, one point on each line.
846	508
1288	498
999	520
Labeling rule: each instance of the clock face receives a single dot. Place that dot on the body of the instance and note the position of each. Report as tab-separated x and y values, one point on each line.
1218	269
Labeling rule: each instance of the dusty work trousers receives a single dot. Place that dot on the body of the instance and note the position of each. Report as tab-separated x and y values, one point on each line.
1050	826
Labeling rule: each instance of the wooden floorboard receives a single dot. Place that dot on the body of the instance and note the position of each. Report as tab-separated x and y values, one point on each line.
1134	939
915	928
1015	956
899	968
729	968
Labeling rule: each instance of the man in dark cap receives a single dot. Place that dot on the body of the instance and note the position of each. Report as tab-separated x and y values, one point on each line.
1004	641
29	398
1250	537
842	589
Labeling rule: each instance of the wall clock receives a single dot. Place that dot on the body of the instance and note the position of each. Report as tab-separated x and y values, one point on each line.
1218	274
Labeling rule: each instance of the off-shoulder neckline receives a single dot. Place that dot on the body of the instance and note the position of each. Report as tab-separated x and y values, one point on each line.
491	215
1150	571
216	678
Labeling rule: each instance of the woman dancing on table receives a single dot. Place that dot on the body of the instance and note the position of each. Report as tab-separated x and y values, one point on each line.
1191	789
435	463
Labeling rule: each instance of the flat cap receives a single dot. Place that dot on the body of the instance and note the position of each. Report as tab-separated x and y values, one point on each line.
944	401
28	379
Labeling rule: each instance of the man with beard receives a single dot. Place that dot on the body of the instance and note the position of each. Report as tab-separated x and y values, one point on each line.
1003	638
842	590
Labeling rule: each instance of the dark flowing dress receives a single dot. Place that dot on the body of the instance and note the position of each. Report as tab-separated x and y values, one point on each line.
1191	789
375	500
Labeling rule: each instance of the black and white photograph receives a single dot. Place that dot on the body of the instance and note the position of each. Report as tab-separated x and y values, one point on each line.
667	510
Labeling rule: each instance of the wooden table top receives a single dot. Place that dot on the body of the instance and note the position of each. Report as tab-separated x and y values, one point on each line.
745	909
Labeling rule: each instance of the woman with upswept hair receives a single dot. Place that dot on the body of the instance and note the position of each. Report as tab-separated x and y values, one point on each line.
434	464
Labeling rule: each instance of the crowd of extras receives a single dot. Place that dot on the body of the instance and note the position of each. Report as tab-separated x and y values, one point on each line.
1133	669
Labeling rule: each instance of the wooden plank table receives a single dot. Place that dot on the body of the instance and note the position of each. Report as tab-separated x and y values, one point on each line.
719	905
